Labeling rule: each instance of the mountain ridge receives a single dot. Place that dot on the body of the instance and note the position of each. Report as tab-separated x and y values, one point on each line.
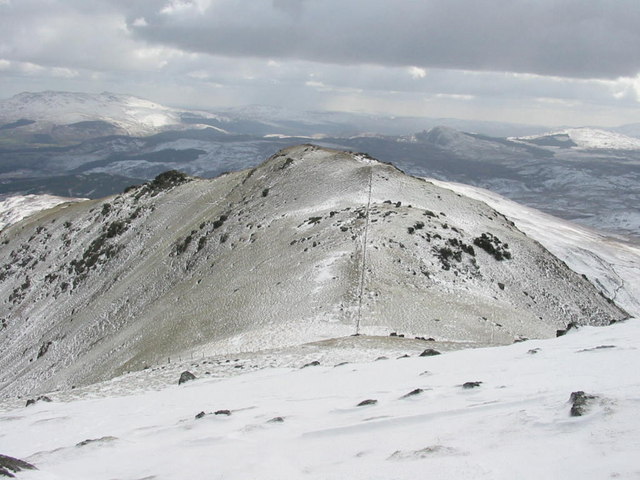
98	288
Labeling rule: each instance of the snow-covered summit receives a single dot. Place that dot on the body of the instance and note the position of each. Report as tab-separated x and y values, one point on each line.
132	115
584	138
313	244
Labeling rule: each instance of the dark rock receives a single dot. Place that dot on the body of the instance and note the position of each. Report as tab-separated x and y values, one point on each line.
570	326
42	398
429	352
412	393
599	347
369	401
341	364
403	356
393	334
471	384
580	403
200	415
95	440
186	376
533	351
276	420
10	465
382	358
315	363
222	412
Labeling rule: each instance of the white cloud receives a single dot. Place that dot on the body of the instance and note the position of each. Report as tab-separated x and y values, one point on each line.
417	72
140	22
455	96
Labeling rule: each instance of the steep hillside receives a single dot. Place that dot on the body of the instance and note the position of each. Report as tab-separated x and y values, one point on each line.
313	244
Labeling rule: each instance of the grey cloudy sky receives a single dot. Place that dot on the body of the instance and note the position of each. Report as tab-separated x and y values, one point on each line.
550	62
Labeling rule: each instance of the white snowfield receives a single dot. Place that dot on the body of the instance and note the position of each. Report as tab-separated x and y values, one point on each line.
590	139
291	423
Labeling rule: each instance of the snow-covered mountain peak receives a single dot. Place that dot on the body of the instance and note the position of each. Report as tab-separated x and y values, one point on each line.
585	139
131	115
313	244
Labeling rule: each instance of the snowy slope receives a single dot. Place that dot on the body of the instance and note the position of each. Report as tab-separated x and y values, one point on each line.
219	266
586	139
133	115
612	264
291	423
15	208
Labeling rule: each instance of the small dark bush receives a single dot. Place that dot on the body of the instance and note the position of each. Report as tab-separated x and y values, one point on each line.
493	246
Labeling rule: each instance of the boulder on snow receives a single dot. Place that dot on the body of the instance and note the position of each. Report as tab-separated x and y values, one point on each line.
369	401
10	465
315	363
413	393
41	398
429	352
186	376
580	403
471	384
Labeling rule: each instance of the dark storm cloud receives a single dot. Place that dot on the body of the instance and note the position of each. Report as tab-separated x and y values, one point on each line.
568	38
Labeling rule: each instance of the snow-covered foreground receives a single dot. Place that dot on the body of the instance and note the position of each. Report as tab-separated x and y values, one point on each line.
515	424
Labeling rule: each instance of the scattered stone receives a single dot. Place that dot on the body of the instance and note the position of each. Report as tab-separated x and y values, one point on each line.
520	339
426	452
341	364
580	403
429	352
403	356
533	351
89	441
315	363
10	465
382	358
393	334
276	420
369	401
413	393
200	415
42	398
471	384
222	412
599	347
186	376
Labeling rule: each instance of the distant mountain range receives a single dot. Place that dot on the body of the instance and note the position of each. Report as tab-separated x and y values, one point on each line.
583	174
